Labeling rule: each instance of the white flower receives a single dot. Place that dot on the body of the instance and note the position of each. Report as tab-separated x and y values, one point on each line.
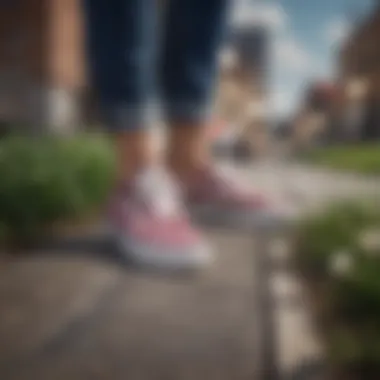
341	263
369	240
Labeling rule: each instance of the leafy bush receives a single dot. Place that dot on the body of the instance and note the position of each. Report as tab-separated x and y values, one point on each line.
340	248
332	230
363	158
354	338
50	179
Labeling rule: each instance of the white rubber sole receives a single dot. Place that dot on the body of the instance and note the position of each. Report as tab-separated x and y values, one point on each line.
143	255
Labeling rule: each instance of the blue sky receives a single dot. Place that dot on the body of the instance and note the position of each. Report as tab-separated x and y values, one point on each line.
306	35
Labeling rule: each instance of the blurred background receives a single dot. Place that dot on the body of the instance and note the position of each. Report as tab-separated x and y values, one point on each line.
298	102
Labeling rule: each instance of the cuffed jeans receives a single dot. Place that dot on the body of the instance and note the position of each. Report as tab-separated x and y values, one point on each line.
128	70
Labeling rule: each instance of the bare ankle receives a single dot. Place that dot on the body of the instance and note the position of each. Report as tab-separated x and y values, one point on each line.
187	150
133	152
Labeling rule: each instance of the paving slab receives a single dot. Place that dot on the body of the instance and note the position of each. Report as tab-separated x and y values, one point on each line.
299	353
77	317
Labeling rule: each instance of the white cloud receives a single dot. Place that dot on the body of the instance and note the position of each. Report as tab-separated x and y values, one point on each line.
291	56
283	102
246	12
337	31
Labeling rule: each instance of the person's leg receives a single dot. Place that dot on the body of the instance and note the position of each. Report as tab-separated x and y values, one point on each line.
145	212
120	54
194	31
193	34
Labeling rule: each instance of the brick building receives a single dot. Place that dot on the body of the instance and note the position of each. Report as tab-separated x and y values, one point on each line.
41	65
359	68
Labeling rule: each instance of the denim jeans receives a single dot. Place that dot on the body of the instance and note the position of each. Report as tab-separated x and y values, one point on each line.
128	70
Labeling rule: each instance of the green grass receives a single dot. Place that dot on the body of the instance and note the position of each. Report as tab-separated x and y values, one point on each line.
364	159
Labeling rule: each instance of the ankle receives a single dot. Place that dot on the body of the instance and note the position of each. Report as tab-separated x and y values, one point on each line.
133	153
187	150
186	170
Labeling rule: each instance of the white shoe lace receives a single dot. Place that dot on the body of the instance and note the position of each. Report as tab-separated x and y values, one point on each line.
159	192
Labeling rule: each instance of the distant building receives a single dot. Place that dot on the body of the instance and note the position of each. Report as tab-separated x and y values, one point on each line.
252	47
359	70
316	119
242	95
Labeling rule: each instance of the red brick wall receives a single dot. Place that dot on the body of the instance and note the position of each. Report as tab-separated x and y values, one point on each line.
65	47
41	49
22	52
43	38
23	37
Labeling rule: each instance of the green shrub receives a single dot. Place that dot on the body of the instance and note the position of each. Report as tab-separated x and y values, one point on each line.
357	352
354	338
352	294
333	229
51	179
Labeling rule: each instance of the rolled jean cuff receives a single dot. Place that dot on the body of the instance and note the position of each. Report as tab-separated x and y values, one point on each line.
187	112
126	117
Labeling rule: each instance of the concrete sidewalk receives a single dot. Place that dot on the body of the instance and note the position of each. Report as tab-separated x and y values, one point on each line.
69	315
306	187
72	315
65	316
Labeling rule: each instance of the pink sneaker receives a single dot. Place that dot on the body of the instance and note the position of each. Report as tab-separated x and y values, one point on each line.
217	198
152	228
